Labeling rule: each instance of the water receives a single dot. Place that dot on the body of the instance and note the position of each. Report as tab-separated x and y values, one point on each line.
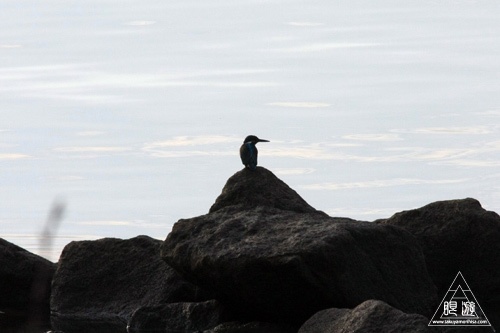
132	113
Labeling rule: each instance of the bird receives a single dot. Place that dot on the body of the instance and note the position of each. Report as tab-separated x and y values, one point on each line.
248	151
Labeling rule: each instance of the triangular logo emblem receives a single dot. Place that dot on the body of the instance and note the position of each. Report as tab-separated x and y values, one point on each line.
459	307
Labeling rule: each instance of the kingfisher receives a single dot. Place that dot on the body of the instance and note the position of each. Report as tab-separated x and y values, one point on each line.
248	151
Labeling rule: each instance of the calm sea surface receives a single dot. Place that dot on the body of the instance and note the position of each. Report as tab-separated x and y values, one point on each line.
128	115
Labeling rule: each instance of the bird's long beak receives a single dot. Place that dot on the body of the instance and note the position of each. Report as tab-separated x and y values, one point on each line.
262	140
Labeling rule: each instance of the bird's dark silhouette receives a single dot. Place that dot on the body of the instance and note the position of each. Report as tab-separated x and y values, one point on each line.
248	151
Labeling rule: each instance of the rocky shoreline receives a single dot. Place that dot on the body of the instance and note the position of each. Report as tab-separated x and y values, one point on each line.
263	260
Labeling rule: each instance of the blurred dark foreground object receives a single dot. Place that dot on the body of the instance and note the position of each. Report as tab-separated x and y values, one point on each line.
25	280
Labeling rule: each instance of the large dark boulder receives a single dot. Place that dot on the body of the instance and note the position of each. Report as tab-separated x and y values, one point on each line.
270	261
459	235
100	283
252	327
371	316
176	317
24	284
260	188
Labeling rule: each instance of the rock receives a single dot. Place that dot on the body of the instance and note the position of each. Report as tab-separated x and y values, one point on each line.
89	322
272	262
24	283
260	188
102	282
459	235
370	316
176	317
252	327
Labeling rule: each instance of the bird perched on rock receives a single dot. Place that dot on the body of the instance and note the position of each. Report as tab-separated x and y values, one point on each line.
248	151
